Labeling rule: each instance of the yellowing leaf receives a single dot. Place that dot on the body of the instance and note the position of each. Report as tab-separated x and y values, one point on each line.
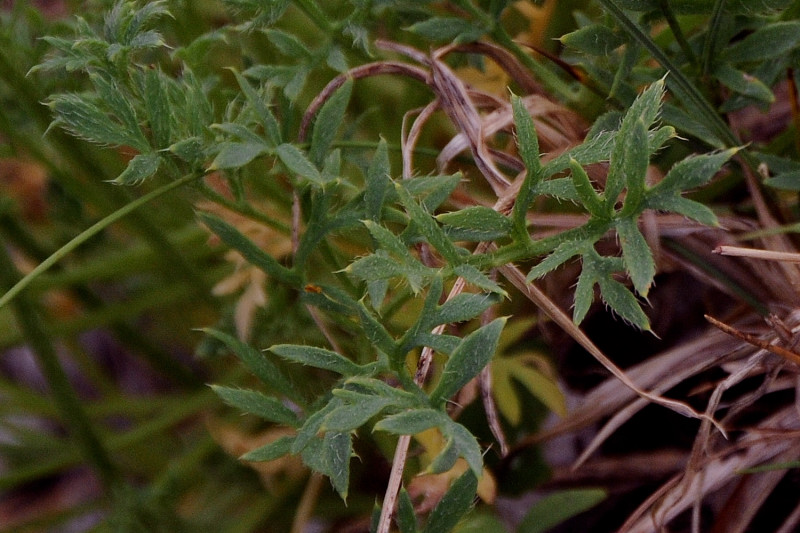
505	397
523	369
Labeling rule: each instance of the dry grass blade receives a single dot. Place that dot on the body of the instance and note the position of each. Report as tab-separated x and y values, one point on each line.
755	253
409	140
490	407
677	370
485	386
755	341
364	71
506	61
778	242
457	105
517	278
558	129
684	491
635	468
660	373
748	497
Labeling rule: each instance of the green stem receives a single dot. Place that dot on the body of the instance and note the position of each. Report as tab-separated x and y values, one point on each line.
244	209
174	414
710	45
89	233
552	83
677	81
67	401
669	15
131	261
524	251
312	10
79	162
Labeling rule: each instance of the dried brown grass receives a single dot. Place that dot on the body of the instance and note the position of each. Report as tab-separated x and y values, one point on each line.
741	374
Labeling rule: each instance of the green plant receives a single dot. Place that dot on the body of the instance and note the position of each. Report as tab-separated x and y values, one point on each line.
398	273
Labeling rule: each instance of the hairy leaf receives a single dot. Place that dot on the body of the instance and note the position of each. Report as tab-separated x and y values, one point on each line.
412	421
564	252
329	120
82	117
353	416
236	154
474	353
438	29
586	192
258	404
684	206
635	169
312	425
287	43
298	163
463	307
477	278
636	254
558	507
254	255
259	364
426	224
456	502
466	444
317	357
476	223
623	302
378	182
265	116
139	168
765	43
269	452
159	109
692	172
406	518
595	39
743	83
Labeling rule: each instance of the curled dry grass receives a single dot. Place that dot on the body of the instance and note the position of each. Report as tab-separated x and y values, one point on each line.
739	362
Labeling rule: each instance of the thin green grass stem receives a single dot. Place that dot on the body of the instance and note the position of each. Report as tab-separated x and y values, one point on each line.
677	81
132	261
669	15
710	45
89	233
173	414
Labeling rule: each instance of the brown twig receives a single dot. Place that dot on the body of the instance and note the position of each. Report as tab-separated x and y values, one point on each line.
755	341
485	386
401	450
